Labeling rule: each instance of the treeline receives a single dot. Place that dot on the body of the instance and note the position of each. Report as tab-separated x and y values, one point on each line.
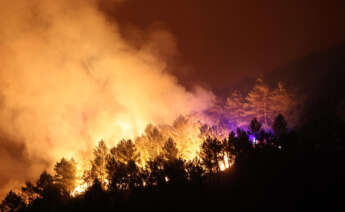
269	171
262	101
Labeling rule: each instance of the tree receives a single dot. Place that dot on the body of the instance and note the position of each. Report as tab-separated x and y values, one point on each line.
243	144
125	152
44	194
195	171
45	187
94	194
29	192
122	166
44	181
254	127
279	125
174	167
116	172
65	174
175	171
98	164
150	143
156	175
235	110
133	175
123	175
231	146
210	154
12	202
261	102
169	150
282	102
257	102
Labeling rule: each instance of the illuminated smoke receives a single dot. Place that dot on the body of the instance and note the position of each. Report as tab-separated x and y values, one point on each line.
68	79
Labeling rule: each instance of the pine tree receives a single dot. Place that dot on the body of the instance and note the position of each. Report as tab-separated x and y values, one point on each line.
254	127
98	164
122	166
156	175
211	154
258	102
282	102
125	152
195	171
235	110
65	174
150	143
231	146
12	202
279	126
169	150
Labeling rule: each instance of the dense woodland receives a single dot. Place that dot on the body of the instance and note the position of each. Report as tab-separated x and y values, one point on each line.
281	170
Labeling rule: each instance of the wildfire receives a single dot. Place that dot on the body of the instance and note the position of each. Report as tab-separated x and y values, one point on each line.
81	184
80	189
225	164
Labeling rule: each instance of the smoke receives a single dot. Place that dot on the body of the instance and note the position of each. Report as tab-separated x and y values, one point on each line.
68	79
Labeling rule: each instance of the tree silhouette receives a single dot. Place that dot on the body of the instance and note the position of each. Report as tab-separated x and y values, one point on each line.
174	167
169	150
125	151
175	171
283	102
44	194
156	175
254	127
210	154
12	202
123	171
279	125
195	171
44	181
29	191
94	194
45	186
236	110
116	173
98	164
242	142
257	100
261	102
150	143
65	174
231	147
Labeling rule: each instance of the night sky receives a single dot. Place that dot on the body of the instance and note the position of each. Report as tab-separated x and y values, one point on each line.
221	44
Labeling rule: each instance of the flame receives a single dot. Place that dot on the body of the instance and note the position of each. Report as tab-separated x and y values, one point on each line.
80	189
69	78
226	163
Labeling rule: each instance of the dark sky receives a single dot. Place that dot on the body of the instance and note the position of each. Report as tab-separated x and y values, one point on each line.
227	41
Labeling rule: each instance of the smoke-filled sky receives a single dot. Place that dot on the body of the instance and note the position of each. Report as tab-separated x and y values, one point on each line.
224	42
69	79
73	72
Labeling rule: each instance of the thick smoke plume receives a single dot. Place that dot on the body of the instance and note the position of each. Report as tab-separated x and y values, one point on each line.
68	79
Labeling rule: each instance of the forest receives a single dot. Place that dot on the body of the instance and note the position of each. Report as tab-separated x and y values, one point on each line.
131	105
255	169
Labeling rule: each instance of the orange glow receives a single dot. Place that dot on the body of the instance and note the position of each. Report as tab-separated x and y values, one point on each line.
69	79
226	163
80	189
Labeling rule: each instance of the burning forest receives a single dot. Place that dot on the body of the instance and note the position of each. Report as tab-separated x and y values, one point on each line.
96	116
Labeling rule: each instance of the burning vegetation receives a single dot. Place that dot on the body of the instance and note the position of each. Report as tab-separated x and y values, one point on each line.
129	166
212	148
117	176
94	122
69	79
